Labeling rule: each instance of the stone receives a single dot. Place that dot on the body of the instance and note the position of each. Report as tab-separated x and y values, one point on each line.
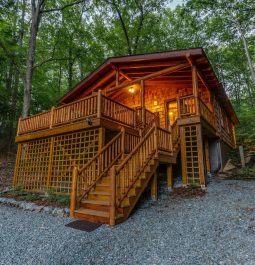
58	212
47	209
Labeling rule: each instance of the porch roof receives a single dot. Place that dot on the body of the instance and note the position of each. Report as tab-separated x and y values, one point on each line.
136	66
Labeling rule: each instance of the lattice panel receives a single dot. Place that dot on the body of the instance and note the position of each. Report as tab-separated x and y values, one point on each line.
76	148
47	163
32	166
192	157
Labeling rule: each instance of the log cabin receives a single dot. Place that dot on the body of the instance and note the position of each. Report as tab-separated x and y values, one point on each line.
104	142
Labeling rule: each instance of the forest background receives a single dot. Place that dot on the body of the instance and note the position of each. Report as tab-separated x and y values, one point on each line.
47	46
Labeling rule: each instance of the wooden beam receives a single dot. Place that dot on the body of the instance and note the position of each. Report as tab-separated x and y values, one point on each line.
102	81
195	87
142	95
125	75
199	73
150	76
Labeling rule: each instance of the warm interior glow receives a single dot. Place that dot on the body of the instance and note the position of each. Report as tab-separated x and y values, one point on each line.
155	102
131	90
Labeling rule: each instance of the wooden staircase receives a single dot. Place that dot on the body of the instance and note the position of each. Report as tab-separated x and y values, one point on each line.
96	206
111	188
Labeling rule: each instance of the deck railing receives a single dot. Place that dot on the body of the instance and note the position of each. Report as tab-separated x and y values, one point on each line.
164	140
206	113
117	111
96	105
175	130
75	111
36	122
148	117
187	106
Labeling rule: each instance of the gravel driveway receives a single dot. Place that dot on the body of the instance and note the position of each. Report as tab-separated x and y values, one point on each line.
218	228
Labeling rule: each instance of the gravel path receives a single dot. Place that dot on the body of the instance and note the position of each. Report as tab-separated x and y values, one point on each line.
216	229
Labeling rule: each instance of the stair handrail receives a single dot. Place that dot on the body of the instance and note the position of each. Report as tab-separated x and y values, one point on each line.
149	141
175	129
119	148
155	120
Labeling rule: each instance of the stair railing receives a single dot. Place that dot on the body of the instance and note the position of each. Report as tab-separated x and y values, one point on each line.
85	178
127	173
175	134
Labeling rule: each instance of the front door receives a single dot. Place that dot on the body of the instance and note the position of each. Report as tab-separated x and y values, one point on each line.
172	112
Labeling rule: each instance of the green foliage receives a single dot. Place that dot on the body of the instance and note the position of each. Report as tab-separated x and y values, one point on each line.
73	42
64	200
30	197
18	190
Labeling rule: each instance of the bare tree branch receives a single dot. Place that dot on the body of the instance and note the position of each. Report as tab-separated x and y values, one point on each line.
63	7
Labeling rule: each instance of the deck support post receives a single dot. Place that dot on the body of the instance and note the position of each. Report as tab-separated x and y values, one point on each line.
113	195
154	187
74	191
143	103
195	88
200	156
170	183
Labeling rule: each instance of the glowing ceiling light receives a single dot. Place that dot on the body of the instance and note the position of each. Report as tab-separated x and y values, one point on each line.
131	90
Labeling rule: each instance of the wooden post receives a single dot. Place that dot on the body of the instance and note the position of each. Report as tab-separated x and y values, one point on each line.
195	87
99	104
207	156
143	103
154	187
50	161
113	195
178	107
200	156
18	156
73	192
170	182
51	117
123	142
241	155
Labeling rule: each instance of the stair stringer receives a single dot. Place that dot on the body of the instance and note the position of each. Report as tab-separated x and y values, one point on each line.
130	201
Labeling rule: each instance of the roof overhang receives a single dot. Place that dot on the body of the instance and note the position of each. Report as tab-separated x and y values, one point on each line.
135	66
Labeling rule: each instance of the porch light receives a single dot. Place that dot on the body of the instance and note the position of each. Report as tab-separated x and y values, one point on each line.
155	103
131	90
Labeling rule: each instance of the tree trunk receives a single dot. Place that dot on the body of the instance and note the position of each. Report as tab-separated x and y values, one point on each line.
247	54
70	69
36	17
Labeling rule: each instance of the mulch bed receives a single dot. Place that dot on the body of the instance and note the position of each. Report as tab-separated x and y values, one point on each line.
189	192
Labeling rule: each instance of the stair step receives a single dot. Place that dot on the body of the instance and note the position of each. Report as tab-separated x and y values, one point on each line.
100	192
92	212
105	203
